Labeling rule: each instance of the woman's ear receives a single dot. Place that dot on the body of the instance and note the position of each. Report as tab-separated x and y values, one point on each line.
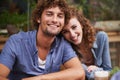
38	20
81	26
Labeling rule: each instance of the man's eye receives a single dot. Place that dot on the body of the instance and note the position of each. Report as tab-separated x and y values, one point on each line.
48	14
61	16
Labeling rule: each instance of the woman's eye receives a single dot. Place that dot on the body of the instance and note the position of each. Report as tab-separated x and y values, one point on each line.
74	27
64	32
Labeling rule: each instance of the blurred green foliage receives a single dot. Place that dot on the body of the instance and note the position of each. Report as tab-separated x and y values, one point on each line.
15	17
97	10
114	70
19	20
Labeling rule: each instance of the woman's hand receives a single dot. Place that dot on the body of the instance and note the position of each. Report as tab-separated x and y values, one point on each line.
91	68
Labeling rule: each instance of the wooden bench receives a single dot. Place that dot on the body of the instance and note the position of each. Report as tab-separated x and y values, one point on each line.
2	41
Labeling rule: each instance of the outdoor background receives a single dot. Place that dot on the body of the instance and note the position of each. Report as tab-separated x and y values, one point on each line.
15	15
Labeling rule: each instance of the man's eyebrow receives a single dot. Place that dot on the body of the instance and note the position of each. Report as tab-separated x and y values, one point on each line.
61	12
48	11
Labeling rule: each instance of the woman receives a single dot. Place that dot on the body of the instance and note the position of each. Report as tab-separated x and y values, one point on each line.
90	44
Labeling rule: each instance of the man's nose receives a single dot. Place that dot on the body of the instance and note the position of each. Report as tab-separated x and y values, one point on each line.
54	18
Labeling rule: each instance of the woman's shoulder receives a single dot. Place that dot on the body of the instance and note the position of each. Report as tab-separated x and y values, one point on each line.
101	34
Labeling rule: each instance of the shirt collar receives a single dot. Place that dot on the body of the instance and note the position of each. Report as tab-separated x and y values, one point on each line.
54	44
95	44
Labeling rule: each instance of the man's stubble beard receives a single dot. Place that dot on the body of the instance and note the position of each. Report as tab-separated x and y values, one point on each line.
48	33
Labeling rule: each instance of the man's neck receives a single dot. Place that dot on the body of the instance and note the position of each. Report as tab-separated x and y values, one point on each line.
43	40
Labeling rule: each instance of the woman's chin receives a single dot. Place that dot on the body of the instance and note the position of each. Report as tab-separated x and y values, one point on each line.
77	42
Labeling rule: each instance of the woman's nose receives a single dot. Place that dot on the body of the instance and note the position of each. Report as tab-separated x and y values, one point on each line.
72	34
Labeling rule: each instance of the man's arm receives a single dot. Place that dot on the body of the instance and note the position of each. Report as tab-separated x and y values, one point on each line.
73	71
4	71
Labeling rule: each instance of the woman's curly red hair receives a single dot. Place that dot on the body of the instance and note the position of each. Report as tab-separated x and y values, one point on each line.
88	29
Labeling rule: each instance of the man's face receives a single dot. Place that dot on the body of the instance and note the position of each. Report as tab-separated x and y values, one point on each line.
52	21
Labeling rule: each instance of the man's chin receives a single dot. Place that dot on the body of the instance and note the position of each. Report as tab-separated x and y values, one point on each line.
52	34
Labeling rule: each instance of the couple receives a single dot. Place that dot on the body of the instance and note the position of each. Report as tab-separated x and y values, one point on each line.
38	54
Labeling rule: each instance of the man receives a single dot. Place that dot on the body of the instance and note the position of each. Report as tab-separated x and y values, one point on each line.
37	55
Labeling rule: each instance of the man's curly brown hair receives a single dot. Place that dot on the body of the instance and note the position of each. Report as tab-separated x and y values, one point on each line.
45	4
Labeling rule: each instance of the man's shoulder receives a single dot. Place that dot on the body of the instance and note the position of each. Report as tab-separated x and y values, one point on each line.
23	35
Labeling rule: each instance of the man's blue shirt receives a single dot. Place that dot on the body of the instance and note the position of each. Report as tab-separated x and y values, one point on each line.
20	55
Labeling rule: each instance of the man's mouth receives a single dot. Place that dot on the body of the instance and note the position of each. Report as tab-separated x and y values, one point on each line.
53	25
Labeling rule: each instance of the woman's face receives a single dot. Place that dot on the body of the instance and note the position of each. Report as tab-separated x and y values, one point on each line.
73	31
